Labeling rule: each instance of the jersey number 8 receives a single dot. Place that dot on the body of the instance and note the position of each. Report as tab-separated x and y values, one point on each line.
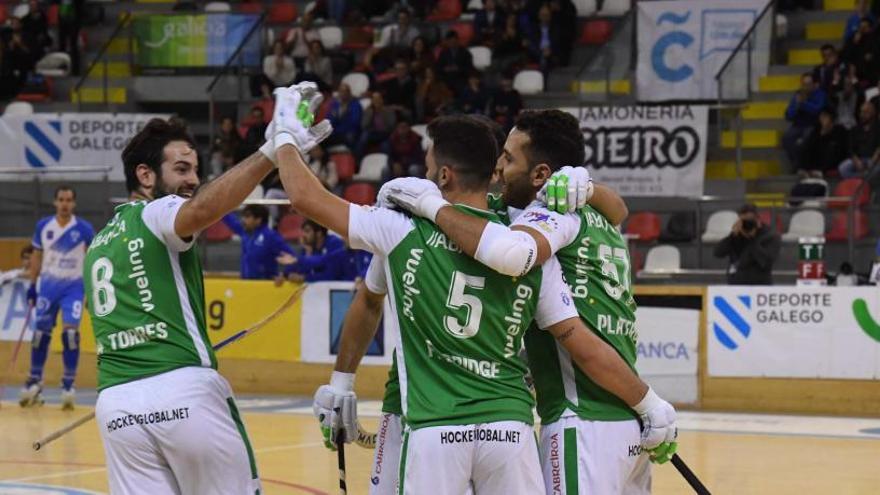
103	292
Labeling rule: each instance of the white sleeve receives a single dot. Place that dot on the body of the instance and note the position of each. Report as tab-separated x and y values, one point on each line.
159	216
375	277
377	230
559	230
555	303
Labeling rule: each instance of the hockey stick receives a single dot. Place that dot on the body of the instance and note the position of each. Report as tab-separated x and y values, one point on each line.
689	475
220	345
14	359
340	460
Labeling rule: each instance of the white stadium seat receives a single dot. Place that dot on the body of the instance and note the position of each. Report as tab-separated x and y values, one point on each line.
20	10
475	5
615	8
19	108
528	82
805	223
482	57
331	37
585	8
663	258
719	225
55	64
359	83
217	7
371	167
365	103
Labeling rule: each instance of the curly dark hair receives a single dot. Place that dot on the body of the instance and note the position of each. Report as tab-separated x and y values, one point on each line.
148	147
555	138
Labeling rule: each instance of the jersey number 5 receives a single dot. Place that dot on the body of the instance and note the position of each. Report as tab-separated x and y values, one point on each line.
103	293
457	299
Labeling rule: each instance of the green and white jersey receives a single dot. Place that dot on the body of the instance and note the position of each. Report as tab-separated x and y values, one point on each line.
459	323
595	264
146	295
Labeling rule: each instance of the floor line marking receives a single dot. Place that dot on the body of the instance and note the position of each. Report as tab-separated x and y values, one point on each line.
54	475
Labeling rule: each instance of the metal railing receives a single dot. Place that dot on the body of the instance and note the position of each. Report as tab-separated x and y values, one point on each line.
597	71
100	57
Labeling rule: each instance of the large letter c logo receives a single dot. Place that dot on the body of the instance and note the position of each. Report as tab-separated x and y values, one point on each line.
663	44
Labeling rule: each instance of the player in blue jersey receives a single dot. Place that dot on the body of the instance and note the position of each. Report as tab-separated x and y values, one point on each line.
60	242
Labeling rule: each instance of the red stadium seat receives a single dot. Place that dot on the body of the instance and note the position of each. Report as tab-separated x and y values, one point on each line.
290	226
645	224
357	38
840	227
361	193
250	7
848	188
445	10
281	13
596	32
218	232
766	217
52	15
3	14
465	32
345	165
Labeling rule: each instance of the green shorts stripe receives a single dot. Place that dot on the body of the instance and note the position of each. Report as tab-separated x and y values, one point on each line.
570	460
236	417
401	475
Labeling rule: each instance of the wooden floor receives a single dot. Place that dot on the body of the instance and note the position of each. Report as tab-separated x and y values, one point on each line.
801	455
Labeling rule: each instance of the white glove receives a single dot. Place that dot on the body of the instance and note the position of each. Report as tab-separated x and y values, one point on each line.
420	197
658	420
268	148
292	123
335	407
567	190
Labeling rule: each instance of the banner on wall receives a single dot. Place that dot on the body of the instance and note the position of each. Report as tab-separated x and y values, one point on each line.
324	307
13	310
644	150
194	41
667	352
683	44
58	140
794	332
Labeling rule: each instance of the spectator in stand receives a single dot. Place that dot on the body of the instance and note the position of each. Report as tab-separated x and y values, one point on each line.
9	81
260	245
544	44
846	103
70	14
345	264
432	96
227	143
505	104
278	67
474	98
317	243
299	38
324	168
376	126
255	134
336	10
400	91
864	144
394	40
751	248
421	55
826	147
318	66
454	62
565	18
803	113
829	75
511	47
345	116
18	61
859	54
852	24
406	156
488	22
35	30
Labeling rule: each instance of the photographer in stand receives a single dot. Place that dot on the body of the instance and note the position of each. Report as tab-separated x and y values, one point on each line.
751	247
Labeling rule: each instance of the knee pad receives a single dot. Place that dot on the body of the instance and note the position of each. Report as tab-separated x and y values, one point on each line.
70	339
41	339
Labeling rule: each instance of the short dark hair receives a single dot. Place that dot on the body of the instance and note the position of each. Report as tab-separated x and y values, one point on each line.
747	208
467	146
495	128
317	227
64	187
451	34
257	211
148	147
27	250
555	138
828	46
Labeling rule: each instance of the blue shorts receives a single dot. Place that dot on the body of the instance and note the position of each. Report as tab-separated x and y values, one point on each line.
68	300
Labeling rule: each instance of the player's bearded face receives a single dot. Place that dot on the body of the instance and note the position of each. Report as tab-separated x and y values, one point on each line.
179	171
515	178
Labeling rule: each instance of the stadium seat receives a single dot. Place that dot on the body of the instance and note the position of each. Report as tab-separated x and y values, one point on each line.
662	258
257	193
840	226
331	37
55	64
596	32
251	8
804	223
281	13
766	217
614	8
528	82
475	5
645	224
217	232
681	227
482	57
3	14
361	193
372	166
585	8
848	188
445	10
290	226
310	6
465	32
345	165
20	10
217	7
358	37
52	15
719	224
358	82
365	102
18	108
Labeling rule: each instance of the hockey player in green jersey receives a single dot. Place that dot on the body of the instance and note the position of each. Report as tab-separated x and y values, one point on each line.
466	408
167	419
591	440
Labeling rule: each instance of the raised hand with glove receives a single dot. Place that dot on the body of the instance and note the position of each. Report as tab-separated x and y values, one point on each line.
659	431
567	190
292	121
335	407
421	197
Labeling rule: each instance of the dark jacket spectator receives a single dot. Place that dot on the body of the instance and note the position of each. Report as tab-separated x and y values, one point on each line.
474	98
35	30
860	54
852	23
544	43
421	55
505	104
432	95
751	248
70	15
400	91
829	75
260	245
826	147
566	19
345	115
487	23
864	143
511	47
376	125
406	156
454	62
803	113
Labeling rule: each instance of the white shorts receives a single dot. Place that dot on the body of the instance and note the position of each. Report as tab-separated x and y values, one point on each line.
589	457
177	432
491	458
